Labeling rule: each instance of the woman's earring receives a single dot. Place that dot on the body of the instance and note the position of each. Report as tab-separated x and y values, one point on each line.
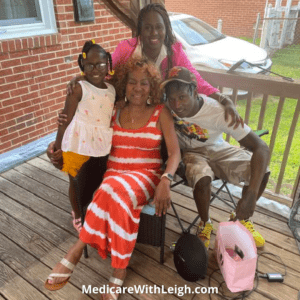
126	100
148	101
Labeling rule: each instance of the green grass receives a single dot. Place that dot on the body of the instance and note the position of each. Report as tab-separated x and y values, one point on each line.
285	62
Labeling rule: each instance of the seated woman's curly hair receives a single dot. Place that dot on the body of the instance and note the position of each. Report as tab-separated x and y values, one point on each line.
120	77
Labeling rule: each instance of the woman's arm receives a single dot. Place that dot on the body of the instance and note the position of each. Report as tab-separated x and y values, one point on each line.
69	110
162	196
230	109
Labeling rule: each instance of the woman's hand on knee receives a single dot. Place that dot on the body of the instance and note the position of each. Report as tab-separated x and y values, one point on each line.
162	197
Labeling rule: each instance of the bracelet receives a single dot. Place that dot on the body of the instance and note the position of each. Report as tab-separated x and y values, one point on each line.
167	175
222	98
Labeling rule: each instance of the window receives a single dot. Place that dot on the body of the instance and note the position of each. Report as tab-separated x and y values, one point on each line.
196	32
26	18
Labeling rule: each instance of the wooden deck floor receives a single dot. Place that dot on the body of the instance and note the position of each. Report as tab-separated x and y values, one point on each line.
36	231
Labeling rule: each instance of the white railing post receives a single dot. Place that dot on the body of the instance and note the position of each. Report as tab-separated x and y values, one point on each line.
256	28
220	23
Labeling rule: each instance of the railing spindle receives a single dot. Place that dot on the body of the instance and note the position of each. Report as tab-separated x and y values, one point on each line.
288	147
276	124
248	107
262	112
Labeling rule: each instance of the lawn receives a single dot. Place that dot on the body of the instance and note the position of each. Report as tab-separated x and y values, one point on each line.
285	62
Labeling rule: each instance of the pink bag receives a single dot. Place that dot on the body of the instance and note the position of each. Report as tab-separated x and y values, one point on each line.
236	254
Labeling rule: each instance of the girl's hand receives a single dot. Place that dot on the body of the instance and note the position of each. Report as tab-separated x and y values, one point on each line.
162	197
55	156
236	120
62	118
72	83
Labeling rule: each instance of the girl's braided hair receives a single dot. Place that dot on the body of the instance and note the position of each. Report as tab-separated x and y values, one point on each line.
170	38
86	48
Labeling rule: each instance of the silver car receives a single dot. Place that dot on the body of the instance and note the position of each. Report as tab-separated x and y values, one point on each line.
206	46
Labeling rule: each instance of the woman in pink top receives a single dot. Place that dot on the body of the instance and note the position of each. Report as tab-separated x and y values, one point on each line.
156	41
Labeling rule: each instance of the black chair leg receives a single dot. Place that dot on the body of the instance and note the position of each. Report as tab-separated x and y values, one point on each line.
162	245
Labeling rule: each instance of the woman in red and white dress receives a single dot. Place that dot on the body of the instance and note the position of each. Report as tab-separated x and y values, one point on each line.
133	175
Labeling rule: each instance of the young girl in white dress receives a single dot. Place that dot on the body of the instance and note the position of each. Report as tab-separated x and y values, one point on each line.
87	132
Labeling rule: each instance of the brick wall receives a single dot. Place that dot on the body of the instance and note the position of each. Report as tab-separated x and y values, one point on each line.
238	17
35	71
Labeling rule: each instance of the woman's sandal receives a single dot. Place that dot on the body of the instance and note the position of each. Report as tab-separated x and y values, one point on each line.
76	223
118	282
58	286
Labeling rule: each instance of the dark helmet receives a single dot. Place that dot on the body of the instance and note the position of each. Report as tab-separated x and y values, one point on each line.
190	257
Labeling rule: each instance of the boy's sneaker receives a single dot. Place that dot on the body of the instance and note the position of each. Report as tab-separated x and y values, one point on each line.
204	232
258	238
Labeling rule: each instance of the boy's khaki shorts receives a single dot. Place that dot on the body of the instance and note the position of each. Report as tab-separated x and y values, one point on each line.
231	164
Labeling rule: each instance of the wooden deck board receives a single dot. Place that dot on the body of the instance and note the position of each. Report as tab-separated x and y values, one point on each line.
36	232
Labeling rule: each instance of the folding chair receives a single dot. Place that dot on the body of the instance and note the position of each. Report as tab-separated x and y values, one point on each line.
181	173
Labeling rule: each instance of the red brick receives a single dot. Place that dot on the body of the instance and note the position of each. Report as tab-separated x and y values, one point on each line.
29	59
10	63
48	40
21	105
19	139
19	91
23	83
37	132
11	101
6	110
31	109
9	137
58	75
26	130
4	96
56	61
40	65
54	48
75	37
42	78
30	42
34	87
50	70
3	132
47	91
21	69
16	128
5	47
12	46
25	118
25	43
19	54
33	74
5	147
47	56
42	41
7	124
7	87
30	96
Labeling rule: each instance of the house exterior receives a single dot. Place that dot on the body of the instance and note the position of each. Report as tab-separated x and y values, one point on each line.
239	17
36	68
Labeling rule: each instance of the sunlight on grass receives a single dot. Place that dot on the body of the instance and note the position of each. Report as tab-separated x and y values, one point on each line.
287	63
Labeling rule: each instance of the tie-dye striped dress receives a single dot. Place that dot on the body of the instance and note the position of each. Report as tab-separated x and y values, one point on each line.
133	172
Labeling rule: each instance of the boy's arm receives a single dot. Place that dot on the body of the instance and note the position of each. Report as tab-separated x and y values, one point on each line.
69	110
259	162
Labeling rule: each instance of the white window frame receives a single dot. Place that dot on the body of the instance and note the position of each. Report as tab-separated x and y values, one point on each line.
47	26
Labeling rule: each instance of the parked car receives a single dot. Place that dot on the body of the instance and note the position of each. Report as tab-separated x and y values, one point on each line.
206	46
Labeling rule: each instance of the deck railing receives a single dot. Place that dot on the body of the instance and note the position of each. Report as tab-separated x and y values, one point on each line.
265	86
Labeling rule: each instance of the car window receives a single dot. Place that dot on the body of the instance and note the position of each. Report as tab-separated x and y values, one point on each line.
196	32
